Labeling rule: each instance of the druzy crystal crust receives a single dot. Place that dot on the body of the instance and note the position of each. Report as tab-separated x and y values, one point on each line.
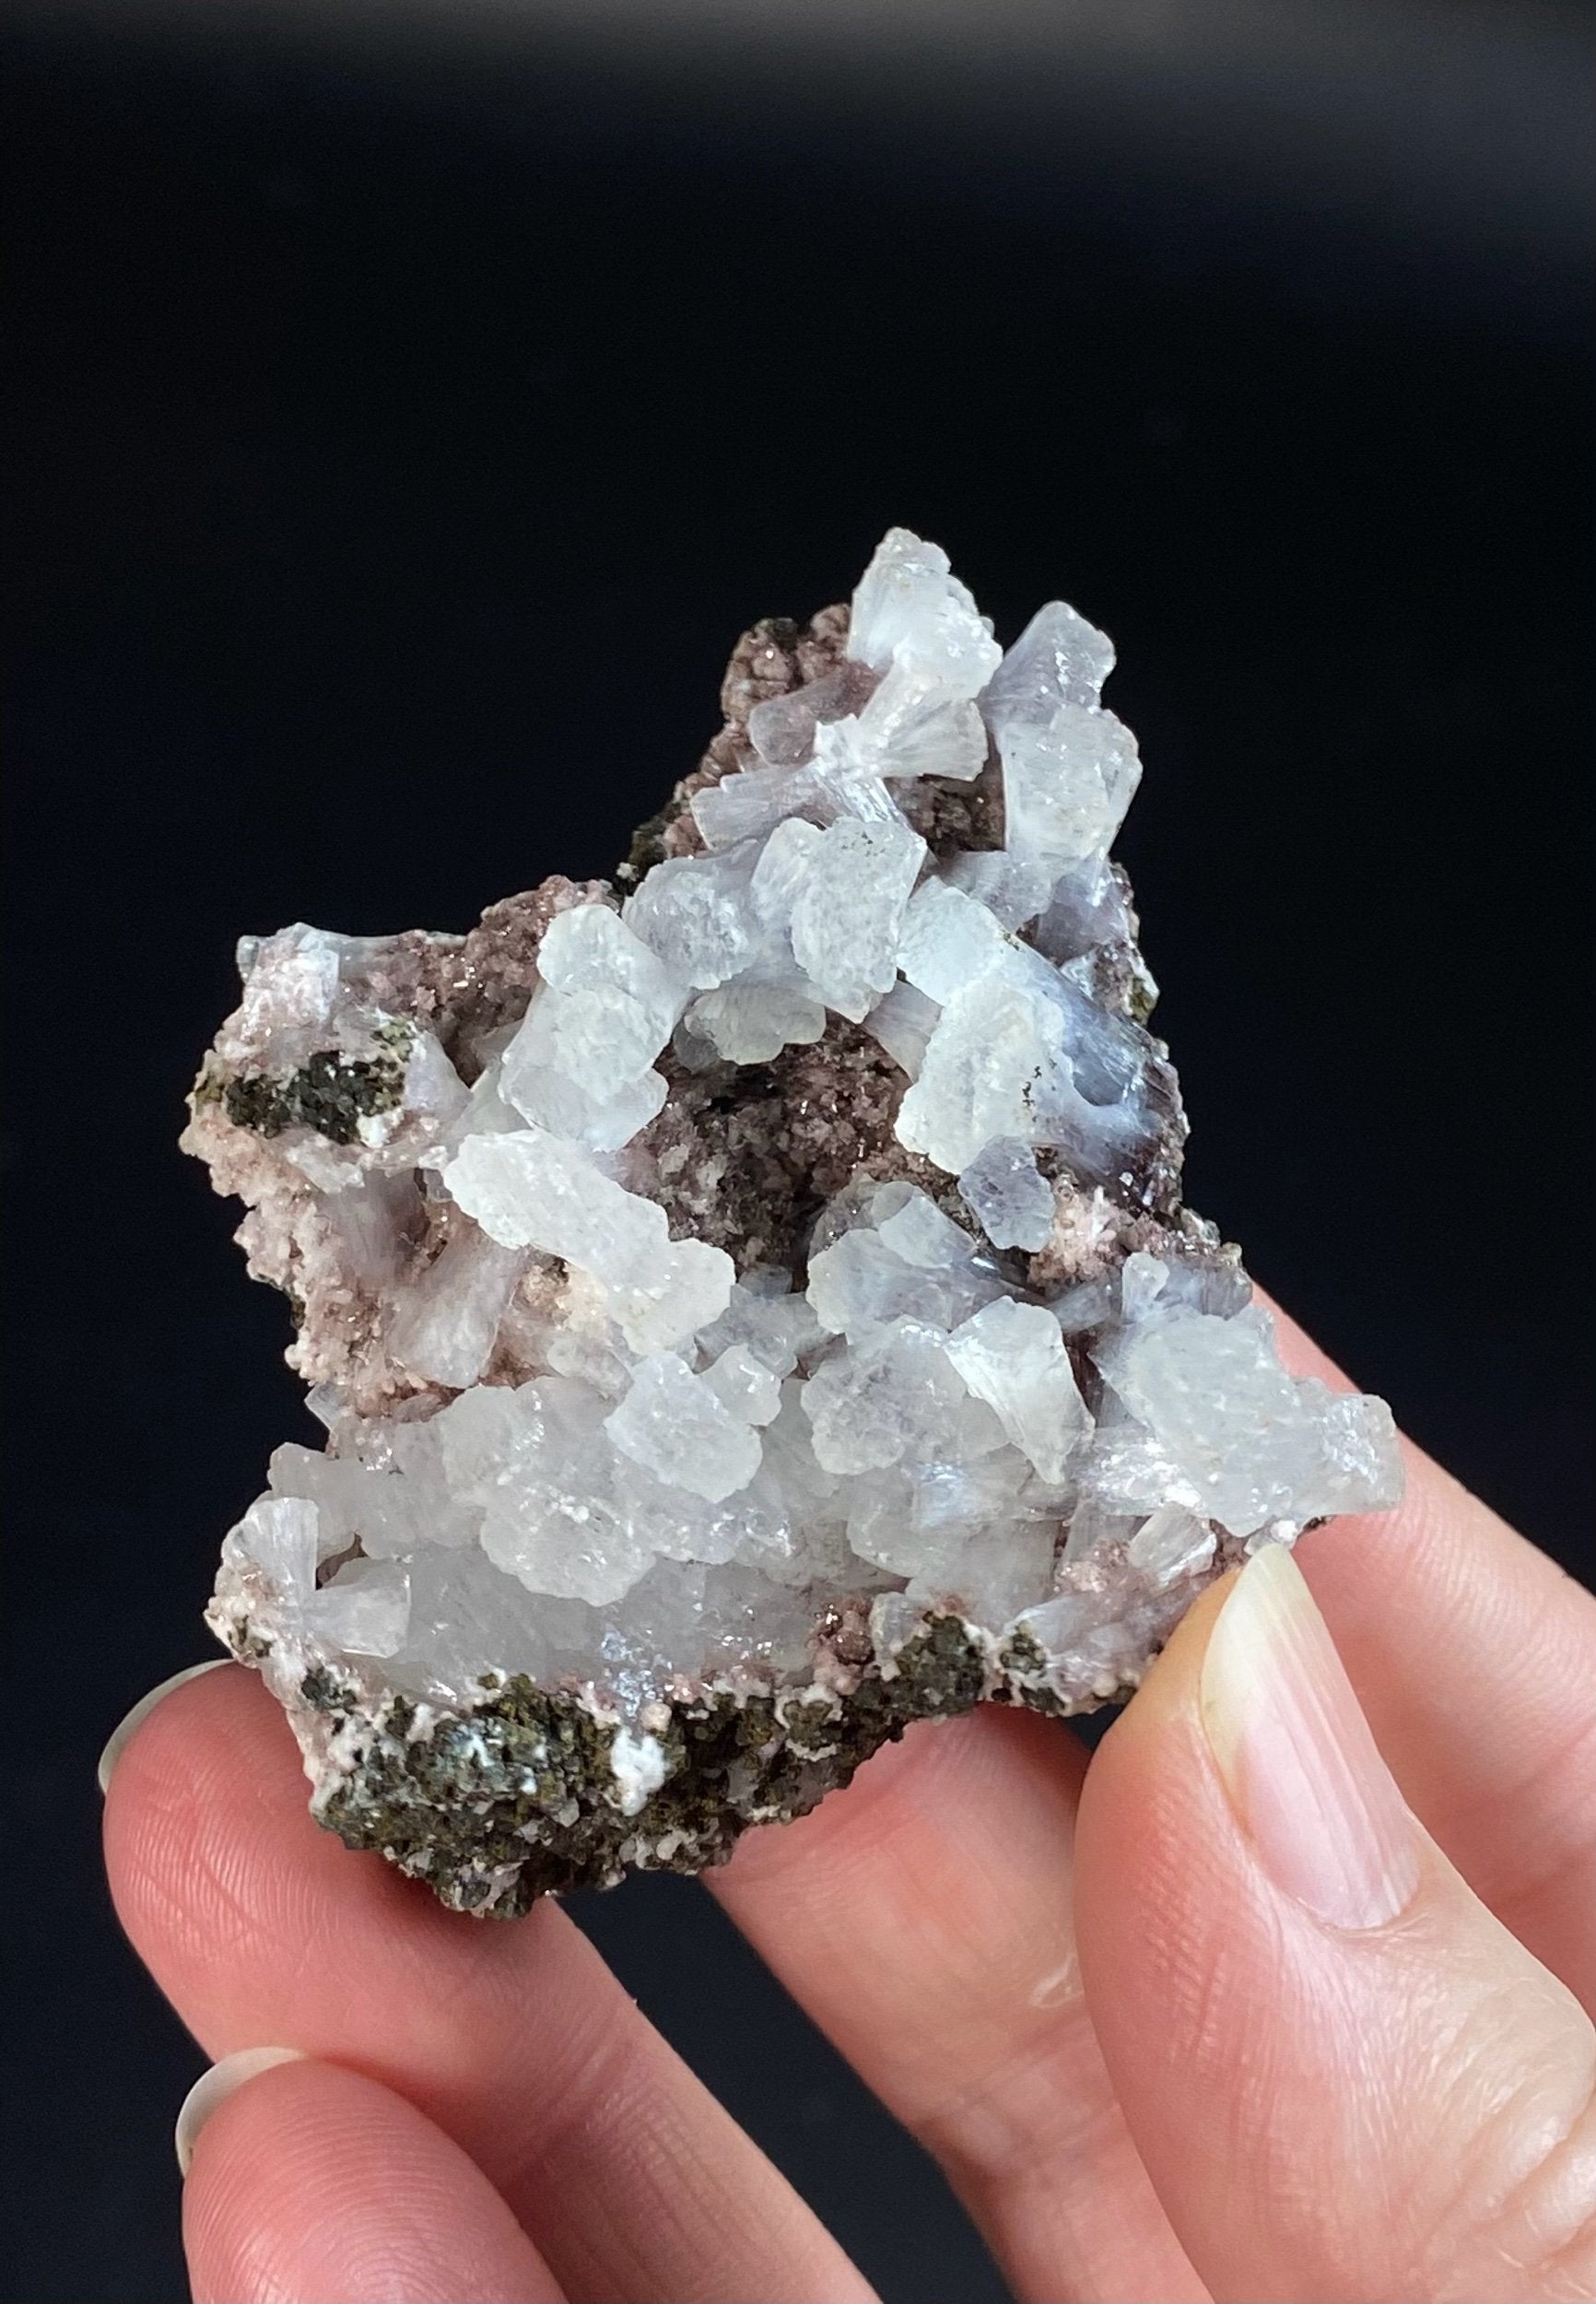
750	1305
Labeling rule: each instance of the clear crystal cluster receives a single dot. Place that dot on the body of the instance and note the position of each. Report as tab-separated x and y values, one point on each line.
749	1306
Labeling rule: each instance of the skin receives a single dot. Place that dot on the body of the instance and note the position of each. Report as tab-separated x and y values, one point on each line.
1106	2001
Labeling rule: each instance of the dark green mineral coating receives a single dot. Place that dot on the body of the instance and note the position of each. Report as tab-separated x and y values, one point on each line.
523	1781
648	845
331	1093
1143	999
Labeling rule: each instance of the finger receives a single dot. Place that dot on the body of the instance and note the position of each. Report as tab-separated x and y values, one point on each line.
1474	1657
512	2037
1347	2080
312	2182
923	1917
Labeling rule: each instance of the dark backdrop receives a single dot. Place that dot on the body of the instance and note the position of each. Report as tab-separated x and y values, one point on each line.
404	425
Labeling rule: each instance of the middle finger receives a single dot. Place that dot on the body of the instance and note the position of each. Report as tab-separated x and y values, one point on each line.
923	1917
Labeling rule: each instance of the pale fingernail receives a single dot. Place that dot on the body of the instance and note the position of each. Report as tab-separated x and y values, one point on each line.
1318	1802
212	2088
121	1734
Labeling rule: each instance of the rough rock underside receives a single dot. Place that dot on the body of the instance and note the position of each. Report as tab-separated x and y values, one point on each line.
750	1305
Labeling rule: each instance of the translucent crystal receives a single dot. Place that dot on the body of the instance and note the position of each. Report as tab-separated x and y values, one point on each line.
553	1101
1058	659
364	1609
994	1043
846	910
749	1023
534	1190
764	1313
1086	909
1067	784
1008	1195
911	726
881	1398
1171	1542
678	1427
917	1231
607	1007
782	730
696	912
1250	1442
862	1283
902	1020
1013	1357
750	1390
909	607
948	940
1014	888
749	806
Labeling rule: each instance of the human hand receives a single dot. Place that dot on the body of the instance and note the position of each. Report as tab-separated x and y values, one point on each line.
1219	2018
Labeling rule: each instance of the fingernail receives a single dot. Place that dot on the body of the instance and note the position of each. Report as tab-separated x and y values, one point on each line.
121	1734
1307	1782
213	2089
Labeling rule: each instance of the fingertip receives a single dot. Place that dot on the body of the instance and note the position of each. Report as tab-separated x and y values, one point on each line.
121	1735
1171	1687
308	2180
212	2089
1155	1831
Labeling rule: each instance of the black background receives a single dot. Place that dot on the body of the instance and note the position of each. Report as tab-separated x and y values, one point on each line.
406	417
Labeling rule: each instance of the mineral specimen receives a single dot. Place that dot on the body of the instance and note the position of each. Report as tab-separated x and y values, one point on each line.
750	1306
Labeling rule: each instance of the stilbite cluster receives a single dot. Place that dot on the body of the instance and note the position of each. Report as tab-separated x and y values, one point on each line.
750	1306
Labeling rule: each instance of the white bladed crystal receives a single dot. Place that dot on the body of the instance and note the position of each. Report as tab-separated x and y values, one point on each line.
1251	1443
751	1390
911	726
1172	1543
749	806
697	913
1008	1195
903	1021
847	911
277	1537
365	1608
607	1006
948	940
883	1398
1014	890
864	1280
749	1023
1067	784
533	1190
1058	659
1013	1357
445	1328
994	1045
553	1101
917	1231
909	607
777	1325
677	1426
